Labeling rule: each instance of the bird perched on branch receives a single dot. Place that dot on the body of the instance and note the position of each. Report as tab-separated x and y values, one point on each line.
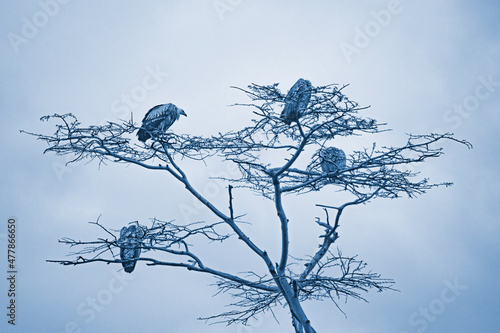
296	101
332	160
158	120
130	246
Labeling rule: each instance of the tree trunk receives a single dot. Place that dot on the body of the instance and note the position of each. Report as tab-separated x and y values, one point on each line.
299	318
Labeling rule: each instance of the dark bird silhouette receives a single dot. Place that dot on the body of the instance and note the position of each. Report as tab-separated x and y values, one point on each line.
130	246
296	101
158	120
332	160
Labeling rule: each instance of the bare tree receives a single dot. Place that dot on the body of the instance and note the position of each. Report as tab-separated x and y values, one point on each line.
275	158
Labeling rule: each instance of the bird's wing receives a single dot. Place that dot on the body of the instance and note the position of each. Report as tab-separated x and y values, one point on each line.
156	112
123	231
295	89
304	96
167	120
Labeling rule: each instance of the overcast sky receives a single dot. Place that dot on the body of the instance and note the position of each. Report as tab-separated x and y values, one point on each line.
423	66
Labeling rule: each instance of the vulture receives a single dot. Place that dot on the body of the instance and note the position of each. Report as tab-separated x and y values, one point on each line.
130	246
158	120
332	160
296	101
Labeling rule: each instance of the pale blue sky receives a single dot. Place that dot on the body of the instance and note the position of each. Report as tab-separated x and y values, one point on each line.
429	66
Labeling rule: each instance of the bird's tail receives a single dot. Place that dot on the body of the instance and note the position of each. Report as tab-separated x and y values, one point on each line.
128	267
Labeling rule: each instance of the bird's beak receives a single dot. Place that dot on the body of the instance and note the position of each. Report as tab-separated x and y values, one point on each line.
184	113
